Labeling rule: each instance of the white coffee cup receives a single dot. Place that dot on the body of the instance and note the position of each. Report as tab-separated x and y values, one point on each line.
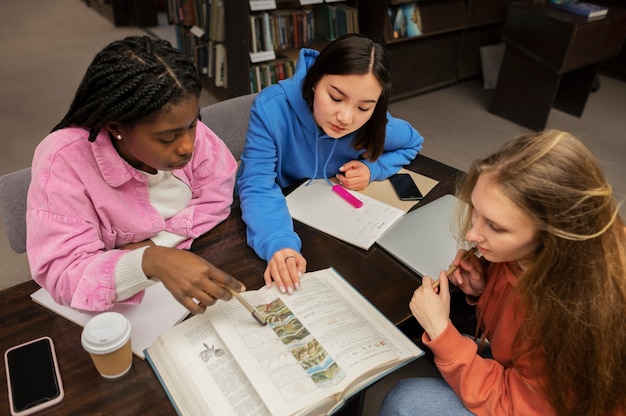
106	338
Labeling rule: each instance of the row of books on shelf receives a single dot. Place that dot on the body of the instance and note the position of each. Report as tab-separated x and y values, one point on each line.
205	17
335	20
297	28
209	56
210	59
281	29
267	73
200	28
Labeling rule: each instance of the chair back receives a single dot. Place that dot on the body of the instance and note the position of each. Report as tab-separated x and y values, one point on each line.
229	120
13	192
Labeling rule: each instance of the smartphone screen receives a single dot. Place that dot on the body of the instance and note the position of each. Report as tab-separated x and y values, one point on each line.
33	376
405	187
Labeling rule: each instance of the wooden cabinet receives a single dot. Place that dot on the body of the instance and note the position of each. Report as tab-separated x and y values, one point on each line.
448	48
445	50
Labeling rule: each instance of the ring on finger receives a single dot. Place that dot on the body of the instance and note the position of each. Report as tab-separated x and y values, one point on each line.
289	257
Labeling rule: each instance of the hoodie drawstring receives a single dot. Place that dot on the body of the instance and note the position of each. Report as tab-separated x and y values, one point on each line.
330	155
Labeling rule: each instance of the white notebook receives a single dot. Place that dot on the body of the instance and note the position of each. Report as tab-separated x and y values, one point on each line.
423	239
157	312
318	206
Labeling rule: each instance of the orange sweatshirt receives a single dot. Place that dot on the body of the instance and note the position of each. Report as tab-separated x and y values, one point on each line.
496	386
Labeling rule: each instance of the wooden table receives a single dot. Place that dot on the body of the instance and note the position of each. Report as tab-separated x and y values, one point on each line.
380	278
551	60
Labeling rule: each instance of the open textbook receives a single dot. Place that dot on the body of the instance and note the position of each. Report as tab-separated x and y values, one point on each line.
317	206
321	345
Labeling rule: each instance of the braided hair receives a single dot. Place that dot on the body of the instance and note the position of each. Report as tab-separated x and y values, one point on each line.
129	81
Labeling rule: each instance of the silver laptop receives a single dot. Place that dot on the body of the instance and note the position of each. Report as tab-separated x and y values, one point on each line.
423	239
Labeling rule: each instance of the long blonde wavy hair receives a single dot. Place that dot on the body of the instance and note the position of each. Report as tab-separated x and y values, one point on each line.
573	289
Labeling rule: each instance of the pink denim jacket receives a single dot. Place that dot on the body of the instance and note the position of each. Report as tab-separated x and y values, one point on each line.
84	201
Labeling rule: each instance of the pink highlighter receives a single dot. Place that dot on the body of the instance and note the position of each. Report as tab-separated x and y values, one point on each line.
342	192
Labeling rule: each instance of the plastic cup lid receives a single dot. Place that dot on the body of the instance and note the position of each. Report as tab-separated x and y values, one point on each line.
105	333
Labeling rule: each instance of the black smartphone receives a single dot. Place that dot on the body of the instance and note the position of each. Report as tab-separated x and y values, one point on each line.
405	187
33	377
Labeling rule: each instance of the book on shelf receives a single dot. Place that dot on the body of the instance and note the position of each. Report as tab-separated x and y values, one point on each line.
405	20
172	12
256	37
210	59
201	58
181	12
303	28
260	33
267	73
187	12
580	8
217	24
325	15
316	205
221	72
321	345
266	32
292	28
350	15
332	21
203	14
157	312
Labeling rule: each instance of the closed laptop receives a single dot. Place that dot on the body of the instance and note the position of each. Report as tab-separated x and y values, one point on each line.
423	239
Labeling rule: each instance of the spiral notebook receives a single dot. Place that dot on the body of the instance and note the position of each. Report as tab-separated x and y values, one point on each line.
423	239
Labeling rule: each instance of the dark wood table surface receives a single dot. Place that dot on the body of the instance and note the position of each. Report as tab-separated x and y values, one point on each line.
380	278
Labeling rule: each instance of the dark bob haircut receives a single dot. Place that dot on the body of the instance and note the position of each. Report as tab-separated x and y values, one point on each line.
355	54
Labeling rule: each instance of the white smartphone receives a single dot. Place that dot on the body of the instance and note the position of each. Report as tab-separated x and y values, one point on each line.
33	377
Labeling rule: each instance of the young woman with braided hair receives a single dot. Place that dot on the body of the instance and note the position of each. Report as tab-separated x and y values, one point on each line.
550	294
126	181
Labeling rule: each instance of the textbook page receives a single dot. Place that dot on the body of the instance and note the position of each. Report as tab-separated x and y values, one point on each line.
319	207
199	373
318	342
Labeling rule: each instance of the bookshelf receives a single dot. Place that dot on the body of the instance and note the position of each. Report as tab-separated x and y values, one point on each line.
141	13
285	48
445	50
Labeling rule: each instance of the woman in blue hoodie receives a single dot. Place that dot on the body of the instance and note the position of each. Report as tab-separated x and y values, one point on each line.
329	119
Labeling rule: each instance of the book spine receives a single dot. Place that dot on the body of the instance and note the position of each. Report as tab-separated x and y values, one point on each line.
161	381
268	43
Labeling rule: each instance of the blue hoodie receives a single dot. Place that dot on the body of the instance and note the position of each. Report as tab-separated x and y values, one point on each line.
284	145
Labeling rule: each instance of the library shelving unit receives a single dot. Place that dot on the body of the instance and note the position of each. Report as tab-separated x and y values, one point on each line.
305	29
141	13
235	58
445	49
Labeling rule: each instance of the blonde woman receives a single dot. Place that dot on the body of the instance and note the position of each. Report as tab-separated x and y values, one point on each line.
550	292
